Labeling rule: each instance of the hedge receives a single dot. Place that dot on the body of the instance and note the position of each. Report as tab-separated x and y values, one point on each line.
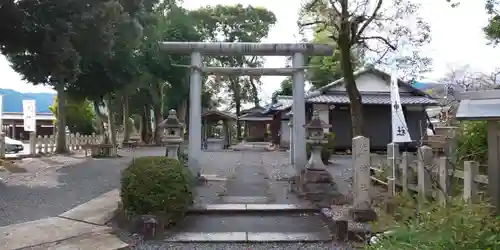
157	185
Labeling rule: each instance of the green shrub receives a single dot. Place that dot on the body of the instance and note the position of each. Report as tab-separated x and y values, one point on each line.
156	185
472	141
328	149
456	226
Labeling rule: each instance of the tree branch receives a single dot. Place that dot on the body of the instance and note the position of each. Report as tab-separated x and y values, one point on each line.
337	11
382	39
325	25
370	19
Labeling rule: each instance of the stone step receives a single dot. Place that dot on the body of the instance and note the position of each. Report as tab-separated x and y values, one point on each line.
253	208
243	237
251	227
95	241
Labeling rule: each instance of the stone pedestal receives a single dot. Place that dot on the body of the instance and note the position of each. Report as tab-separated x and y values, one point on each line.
172	150
318	187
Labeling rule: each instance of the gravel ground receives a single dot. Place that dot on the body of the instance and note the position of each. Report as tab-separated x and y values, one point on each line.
48	190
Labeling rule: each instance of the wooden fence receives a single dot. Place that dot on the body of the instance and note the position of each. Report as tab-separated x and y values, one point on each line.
428	175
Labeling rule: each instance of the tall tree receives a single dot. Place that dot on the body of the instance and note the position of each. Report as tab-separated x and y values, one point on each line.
286	87
55	35
236	23
492	29
375	27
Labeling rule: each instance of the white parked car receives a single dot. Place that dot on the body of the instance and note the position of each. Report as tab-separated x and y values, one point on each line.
13	146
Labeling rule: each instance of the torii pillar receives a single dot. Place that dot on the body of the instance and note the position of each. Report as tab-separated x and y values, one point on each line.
297	50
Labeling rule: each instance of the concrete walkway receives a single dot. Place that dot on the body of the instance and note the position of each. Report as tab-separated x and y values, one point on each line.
250	183
252	210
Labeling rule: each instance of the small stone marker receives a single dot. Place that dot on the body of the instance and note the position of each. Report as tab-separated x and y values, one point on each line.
172	134
147	226
361	210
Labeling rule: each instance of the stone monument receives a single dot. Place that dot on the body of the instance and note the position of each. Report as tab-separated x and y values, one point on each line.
361	210
315	183
172	135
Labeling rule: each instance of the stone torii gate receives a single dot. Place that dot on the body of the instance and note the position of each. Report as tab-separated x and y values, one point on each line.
198	49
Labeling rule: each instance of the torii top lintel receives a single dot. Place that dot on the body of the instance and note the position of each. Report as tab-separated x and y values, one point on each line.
255	49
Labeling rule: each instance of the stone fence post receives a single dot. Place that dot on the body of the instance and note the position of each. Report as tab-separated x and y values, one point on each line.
425	157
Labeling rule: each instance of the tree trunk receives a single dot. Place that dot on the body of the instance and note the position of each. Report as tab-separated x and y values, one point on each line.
238	113
255	93
182	111
158	119
126	119
142	129
111	122
61	120
146	124
356	107
100	122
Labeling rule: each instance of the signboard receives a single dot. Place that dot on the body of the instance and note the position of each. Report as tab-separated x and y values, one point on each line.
29	115
1	113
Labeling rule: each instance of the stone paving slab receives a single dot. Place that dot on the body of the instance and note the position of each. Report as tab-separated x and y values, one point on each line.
96	211
42	231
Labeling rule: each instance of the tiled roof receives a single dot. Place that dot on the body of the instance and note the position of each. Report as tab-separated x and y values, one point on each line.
286	101
223	114
370	99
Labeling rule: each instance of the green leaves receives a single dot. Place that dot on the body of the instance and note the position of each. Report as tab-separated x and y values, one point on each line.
457	225
156	185
235	23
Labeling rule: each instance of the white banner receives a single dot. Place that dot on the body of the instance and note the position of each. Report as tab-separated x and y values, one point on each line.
29	115
400	131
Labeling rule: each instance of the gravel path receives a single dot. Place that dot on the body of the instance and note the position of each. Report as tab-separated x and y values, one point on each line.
240	246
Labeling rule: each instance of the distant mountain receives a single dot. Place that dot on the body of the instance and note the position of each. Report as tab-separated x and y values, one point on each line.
13	100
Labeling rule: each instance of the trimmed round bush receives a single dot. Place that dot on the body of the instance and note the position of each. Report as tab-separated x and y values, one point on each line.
156	185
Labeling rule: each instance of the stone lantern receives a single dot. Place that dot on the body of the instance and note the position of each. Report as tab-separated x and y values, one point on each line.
314	181
315	132
172	135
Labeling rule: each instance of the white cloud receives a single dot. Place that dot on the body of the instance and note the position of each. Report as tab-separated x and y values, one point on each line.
457	39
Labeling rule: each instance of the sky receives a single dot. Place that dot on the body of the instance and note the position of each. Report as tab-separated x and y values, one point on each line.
457	40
